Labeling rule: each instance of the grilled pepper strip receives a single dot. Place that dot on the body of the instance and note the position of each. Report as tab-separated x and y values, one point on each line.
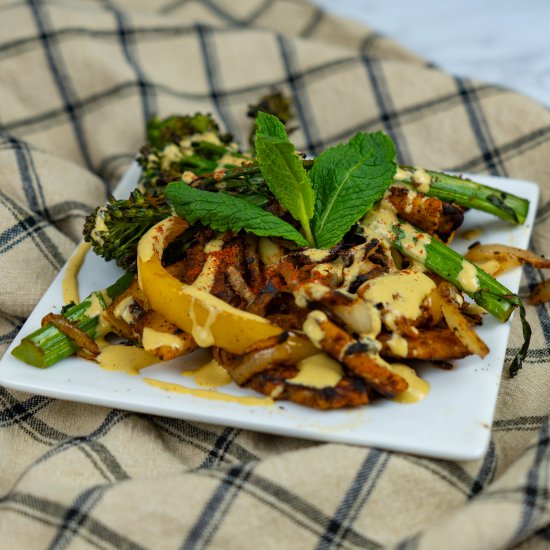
211	321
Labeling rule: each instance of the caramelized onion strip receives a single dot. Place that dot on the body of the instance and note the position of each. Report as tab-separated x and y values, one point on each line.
498	258
78	336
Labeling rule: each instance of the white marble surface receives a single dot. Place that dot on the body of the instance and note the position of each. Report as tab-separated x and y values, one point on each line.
504	42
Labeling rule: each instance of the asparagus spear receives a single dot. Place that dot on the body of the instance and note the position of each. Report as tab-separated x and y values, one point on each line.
441	260
48	345
450	265
445	187
470	194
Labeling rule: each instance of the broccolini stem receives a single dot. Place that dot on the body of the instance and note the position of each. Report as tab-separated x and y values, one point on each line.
210	181
48	345
471	194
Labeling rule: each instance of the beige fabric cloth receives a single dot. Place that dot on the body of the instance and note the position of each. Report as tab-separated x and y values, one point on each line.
78	79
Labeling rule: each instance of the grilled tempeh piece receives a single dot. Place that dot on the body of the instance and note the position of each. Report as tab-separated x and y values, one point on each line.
354	354
427	213
435	344
277	383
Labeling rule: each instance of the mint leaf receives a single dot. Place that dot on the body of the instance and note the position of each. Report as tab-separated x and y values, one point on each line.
283	171
222	212
348	179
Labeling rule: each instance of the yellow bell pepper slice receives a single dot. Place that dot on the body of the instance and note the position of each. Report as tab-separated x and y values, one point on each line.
210	320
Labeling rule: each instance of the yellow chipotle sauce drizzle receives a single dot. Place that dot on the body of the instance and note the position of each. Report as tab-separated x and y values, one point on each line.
128	359
318	371
467	277
69	284
402	294
209	375
418	388
209	394
202	332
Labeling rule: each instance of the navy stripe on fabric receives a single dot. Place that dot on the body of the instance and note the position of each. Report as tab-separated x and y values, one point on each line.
76	516
313	23
544	534
451	473
231	19
295	81
95	101
535	495
216	508
530	423
212	74
199	438
129	48
60	76
30	425
482	134
50	512
487	470
7	337
220	447
19	411
544	211
172	6
410	543
97	454
385	108
28	227
295	508
29	178
31	227
103	461
13	320
18	232
369	42
63	442
357	494
507	151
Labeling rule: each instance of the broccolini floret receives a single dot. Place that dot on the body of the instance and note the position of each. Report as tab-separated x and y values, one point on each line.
115	228
178	147
180	144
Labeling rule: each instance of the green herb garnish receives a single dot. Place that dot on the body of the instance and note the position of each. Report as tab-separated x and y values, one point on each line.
345	182
222	212
348	179
341	188
284	174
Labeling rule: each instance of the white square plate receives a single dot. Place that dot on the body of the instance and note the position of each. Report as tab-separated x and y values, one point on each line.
453	422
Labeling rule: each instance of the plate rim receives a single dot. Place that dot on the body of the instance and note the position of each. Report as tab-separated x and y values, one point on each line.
472	451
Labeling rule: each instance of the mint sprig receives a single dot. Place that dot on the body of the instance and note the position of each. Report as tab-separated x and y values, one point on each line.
222	212
283	171
340	189
348	179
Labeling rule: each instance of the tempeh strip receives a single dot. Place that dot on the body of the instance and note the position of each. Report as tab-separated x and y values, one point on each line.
436	344
354	354
429	214
350	391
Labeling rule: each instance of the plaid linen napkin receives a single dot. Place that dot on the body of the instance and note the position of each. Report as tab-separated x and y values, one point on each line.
78	80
